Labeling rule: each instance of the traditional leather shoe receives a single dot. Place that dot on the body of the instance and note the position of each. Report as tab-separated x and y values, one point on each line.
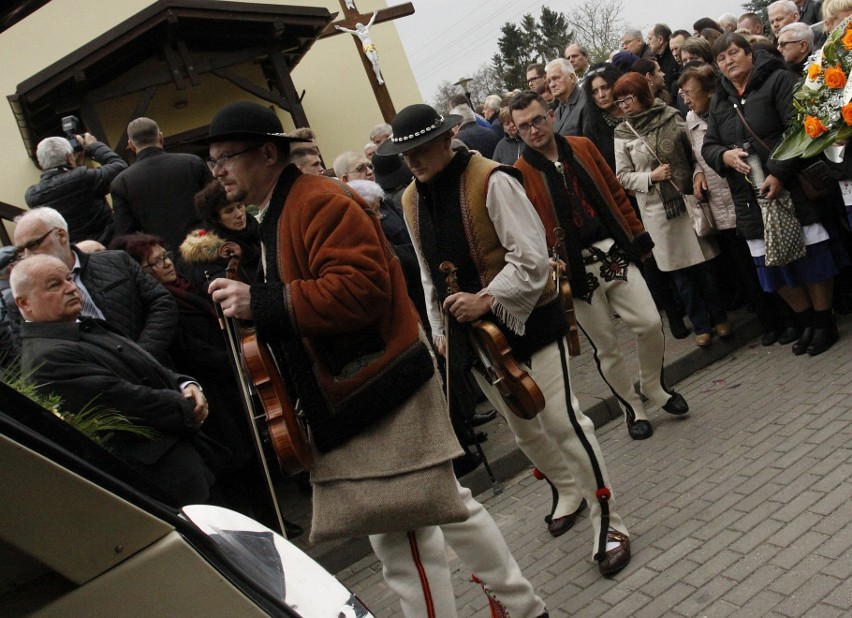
789	335
640	430
770	337
561	525
703	340
480	418
678	328
617	558
801	346
823	339
676	405
724	330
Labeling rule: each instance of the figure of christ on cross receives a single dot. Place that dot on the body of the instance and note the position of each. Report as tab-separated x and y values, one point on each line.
353	23
363	33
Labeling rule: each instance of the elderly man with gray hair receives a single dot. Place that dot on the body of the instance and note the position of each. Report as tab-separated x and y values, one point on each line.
76	191
781	13
796	43
491	112
562	81
633	42
728	21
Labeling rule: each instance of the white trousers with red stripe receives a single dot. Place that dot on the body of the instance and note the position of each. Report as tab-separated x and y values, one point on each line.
415	565
552	443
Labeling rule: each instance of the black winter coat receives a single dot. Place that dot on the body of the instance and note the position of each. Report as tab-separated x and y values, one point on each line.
767	105
154	195
132	301
86	363
78	193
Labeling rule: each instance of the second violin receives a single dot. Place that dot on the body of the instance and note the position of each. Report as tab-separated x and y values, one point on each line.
494	357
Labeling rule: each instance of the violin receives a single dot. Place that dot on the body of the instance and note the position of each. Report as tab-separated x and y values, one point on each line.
566	297
284	426
517	389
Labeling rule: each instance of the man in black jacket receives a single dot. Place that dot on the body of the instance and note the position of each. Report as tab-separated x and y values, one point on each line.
76	191
154	195
87	364
113	286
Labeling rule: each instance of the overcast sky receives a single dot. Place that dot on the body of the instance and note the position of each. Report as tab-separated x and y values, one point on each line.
450	39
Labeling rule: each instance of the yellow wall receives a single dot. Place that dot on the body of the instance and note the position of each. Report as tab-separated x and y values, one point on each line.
338	100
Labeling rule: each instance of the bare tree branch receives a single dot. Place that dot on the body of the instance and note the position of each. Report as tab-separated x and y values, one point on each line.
598	25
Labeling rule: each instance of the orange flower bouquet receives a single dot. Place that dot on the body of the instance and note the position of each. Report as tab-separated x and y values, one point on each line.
822	101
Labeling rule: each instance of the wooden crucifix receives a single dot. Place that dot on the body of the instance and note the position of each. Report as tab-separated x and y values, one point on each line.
358	25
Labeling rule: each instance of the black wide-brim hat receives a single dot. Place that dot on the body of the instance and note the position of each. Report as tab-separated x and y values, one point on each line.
416	125
245	121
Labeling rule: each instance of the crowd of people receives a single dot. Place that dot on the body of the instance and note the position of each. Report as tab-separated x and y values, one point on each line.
370	289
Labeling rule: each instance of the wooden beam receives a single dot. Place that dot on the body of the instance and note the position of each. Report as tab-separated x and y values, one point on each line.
202	66
284	82
252	88
174	68
388	14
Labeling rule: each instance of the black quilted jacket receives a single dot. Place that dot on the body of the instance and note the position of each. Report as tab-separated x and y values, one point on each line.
79	193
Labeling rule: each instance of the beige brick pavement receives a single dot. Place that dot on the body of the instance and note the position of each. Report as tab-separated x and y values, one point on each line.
743	508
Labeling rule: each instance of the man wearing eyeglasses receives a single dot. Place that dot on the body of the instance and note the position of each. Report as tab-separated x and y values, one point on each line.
537	82
573	189
154	195
473	212
796	43
353	165
113	286
333	306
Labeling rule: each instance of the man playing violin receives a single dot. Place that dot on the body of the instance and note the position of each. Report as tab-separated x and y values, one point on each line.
333	307
472	212
573	189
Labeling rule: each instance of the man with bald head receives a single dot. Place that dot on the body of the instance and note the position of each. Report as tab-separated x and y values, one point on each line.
87	363
112	284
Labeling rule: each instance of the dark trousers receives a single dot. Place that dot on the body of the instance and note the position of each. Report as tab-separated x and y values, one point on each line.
700	295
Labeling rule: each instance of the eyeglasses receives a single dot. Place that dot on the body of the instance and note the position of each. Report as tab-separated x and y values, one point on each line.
160	262
627	42
35	243
534	79
782	45
628	100
361	168
690	93
223	160
538	122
